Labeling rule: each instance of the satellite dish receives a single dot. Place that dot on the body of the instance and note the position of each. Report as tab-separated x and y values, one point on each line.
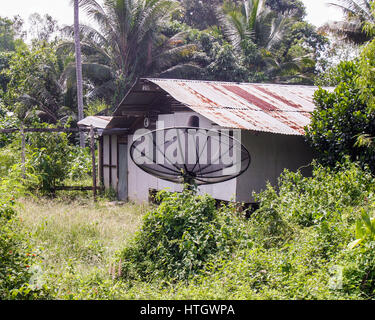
190	155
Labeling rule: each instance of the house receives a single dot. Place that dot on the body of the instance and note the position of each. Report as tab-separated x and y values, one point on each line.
271	118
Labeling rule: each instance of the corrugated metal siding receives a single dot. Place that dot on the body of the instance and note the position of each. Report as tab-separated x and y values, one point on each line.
283	109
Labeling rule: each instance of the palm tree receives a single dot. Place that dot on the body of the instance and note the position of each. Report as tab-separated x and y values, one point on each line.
357	13
126	45
77	41
251	21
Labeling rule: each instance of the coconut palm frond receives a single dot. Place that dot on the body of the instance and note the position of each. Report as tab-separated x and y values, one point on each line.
107	90
355	8
181	70
167	58
358	16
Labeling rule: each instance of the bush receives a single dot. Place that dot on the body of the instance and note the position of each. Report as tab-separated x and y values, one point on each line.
52	160
18	277
300	237
340	118
331	195
358	271
80	166
179	237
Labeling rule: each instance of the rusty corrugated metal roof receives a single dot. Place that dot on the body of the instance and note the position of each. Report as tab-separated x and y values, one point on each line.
283	109
100	122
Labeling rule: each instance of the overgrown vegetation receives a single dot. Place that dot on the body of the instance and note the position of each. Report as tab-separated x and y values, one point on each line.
179	237
311	238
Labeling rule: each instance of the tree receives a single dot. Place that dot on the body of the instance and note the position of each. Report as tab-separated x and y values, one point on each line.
7	35
200	14
42	27
127	44
297	55
288	48
340	118
252	20
357	14
77	42
294	8
34	76
4	64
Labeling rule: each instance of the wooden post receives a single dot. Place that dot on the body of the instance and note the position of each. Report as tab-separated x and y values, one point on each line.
92	147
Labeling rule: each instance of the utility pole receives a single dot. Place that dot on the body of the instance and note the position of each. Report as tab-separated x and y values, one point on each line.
77	41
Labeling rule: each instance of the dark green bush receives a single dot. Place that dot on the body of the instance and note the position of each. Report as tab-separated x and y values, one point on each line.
300	237
330	195
17	258
178	237
52	159
340	118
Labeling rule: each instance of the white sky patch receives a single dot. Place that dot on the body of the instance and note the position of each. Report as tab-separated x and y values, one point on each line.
61	10
318	12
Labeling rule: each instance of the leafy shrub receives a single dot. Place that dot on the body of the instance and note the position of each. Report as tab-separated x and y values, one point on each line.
7	121
53	159
365	228
330	195
340	118
178	237
9	156
358	271
48	158
80	166
17	258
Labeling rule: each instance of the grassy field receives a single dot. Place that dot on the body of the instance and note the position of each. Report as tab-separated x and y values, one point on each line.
77	238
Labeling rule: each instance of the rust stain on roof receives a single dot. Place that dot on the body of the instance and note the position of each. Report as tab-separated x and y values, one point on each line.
280	98
252	99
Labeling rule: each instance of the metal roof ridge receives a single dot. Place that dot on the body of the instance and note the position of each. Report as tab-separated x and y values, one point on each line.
233	82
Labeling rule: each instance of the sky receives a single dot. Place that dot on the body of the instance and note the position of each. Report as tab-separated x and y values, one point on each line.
61	10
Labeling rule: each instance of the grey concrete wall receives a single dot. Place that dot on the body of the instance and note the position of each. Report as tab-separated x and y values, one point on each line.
270	155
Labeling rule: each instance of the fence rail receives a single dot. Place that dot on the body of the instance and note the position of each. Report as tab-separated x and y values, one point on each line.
67	130
91	130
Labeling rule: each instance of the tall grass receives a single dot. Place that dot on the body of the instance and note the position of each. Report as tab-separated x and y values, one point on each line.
78	237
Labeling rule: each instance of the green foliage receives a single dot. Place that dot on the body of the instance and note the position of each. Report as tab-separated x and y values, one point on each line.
330	77
357	271
80	163
34	83
7	121
96	107
199	14
9	156
340	117
4	64
178	237
295	8
225	66
357	23
52	159
18	276
366	75
329	196
49	159
7	35
365	229
294	247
